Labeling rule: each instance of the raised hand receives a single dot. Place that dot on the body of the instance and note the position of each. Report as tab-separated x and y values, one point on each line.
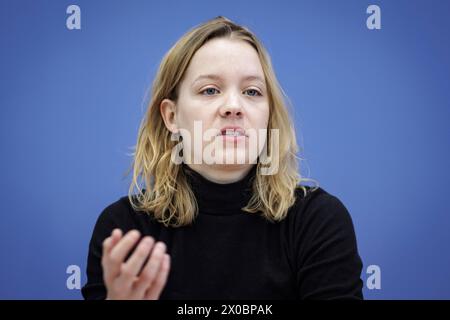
143	275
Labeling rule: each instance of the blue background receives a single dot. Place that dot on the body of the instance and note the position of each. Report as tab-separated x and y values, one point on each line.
371	109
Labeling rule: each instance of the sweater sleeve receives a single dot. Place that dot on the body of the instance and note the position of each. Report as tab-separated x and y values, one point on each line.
95	289
116	215
328	262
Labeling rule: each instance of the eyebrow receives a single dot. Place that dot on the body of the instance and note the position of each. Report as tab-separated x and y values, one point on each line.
218	77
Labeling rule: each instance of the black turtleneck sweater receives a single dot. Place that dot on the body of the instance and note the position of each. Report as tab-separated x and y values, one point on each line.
230	254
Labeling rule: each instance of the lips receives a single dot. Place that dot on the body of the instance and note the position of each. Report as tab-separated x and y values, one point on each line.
232	131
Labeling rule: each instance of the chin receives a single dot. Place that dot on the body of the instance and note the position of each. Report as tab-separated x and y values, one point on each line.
234	157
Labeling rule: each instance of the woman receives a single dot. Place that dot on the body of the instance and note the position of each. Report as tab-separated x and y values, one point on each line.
202	226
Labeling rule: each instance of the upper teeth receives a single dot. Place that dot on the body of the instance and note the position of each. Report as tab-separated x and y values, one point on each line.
233	133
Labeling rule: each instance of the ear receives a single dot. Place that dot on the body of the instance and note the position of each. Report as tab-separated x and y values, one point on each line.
167	109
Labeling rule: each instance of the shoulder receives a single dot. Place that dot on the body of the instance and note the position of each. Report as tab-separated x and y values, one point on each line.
324	247
118	214
309	198
318	208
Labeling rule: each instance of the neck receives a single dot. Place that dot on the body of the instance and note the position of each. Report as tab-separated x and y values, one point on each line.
220	198
222	174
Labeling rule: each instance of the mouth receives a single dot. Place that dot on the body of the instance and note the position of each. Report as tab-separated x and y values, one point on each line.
233	132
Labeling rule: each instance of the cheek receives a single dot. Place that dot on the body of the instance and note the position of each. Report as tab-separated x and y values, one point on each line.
264	112
192	111
186	118
193	123
261	120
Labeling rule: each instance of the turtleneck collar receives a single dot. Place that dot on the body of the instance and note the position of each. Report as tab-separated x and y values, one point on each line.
217	198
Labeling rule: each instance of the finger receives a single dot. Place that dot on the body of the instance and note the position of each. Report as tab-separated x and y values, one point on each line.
116	235
151	268
158	285
111	241
108	244
118	253
131	268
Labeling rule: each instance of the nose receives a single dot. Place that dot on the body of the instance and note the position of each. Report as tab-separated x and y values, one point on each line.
232	108
232	112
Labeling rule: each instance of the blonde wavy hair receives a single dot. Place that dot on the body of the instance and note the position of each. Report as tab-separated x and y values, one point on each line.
162	188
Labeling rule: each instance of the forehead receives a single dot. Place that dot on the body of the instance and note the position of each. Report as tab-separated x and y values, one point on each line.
225	57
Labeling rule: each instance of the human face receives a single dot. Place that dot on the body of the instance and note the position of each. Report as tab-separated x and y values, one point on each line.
224	86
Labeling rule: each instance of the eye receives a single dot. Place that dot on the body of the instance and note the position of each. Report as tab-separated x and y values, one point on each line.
253	92
209	91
